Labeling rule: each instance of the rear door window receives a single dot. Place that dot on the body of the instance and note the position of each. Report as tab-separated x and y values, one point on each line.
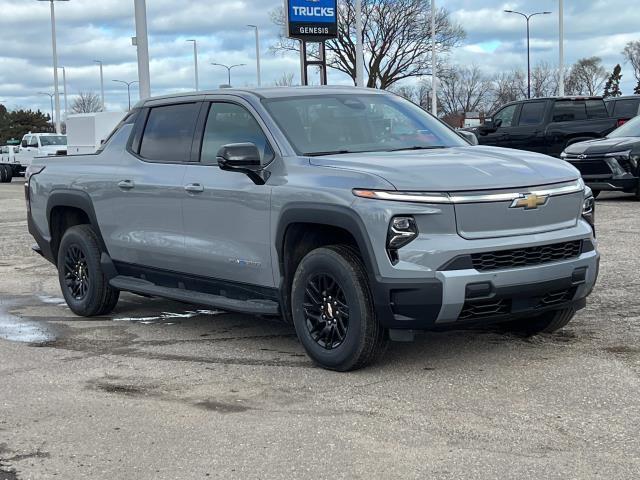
626	108
168	134
596	109
569	111
532	113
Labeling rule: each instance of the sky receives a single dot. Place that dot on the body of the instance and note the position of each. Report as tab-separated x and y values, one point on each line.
91	30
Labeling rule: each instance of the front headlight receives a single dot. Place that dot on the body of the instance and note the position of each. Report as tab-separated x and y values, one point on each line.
622	163
589	208
402	231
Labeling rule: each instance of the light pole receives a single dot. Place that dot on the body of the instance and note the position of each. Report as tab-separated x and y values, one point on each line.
229	68
561	64
64	84
55	62
142	44
259	74
99	62
359	47
528	18
434	59
195	62
50	95
128	84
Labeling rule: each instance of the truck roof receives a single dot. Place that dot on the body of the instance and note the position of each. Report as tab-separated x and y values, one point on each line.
269	92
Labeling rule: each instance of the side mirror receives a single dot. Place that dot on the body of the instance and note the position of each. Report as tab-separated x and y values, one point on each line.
24	144
242	158
469	137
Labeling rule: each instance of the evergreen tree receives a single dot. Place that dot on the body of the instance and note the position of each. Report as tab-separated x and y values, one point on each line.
612	88
637	89
20	122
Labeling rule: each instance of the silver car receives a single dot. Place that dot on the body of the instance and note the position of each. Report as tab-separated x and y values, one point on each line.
351	213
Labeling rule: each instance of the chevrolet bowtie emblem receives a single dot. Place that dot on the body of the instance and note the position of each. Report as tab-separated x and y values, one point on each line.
530	202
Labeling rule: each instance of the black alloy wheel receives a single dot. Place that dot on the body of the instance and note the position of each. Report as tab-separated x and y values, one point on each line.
76	272
326	311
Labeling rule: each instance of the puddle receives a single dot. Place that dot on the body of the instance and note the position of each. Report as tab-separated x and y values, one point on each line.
168	316
16	329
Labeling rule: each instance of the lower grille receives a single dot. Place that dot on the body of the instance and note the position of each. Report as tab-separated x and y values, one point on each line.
485	309
526	257
592	167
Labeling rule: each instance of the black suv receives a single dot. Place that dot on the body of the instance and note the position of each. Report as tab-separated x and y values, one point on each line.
623	109
547	125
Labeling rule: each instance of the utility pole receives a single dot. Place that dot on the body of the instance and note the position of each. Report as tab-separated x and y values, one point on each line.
56	90
142	40
434	59
99	62
229	68
64	84
195	62
128	84
359	46
50	95
561	64
259	73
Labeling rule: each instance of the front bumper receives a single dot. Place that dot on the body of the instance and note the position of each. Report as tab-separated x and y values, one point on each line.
607	174
459	297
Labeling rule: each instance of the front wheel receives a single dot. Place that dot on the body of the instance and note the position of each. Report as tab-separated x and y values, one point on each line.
84	285
6	173
548	322
333	310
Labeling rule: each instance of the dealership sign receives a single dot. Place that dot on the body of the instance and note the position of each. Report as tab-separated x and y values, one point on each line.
312	20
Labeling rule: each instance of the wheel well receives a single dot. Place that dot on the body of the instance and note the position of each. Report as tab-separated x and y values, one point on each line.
61	220
302	238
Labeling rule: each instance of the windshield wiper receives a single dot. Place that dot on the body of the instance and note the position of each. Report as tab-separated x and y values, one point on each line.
417	147
330	152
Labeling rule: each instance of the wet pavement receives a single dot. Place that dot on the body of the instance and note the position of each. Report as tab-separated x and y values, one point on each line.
162	390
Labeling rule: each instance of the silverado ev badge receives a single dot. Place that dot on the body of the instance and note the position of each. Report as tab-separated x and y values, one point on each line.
530	202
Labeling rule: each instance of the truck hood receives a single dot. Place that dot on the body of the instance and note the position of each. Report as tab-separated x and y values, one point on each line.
456	169
51	150
603	145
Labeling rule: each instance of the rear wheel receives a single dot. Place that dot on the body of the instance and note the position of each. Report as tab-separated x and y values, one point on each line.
84	285
548	322
333	310
6	173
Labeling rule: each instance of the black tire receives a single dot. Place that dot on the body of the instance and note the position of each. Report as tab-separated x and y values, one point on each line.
82	281
548	322
357	339
6	173
636	195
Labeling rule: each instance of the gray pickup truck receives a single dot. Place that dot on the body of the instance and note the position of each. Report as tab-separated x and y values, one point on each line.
351	213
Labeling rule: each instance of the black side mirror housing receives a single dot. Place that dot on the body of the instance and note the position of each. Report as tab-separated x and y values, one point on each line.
242	158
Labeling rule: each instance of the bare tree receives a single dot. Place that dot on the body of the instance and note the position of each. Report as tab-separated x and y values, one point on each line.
544	80
464	89
86	102
286	80
632	53
396	36
419	94
586	77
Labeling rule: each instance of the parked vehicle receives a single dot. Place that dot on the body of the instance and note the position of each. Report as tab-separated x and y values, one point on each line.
610	163
351	213
87	131
9	164
40	145
546	125
624	108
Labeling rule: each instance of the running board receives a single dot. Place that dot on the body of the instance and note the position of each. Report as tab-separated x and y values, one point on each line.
143	287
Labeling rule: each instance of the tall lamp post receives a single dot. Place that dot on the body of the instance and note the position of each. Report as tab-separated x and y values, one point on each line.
99	62
128	84
50	95
359	47
64	85
528	18
55	62
229	68
434	59
259	74
195	62
561	41
142	45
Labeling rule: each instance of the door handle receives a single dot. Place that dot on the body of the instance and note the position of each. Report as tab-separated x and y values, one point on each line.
126	185
194	188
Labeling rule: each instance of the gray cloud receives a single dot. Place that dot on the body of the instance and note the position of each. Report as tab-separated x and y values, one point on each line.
89	30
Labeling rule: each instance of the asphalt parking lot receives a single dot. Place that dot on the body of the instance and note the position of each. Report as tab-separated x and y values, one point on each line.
164	390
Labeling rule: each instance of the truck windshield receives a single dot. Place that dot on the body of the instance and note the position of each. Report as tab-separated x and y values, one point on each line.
629	129
51	140
332	124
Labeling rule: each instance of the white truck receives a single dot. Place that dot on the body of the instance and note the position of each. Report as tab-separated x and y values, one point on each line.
40	145
9	163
